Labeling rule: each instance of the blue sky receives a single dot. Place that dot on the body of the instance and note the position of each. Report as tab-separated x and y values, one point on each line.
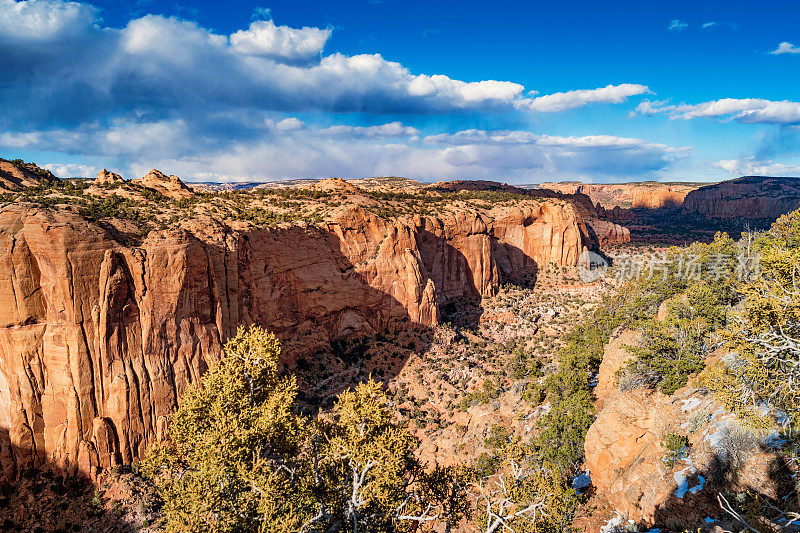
513	91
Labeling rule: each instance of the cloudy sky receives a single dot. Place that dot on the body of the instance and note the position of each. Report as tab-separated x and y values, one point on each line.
515	91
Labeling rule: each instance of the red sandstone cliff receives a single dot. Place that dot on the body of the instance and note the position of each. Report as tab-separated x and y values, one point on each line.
98	340
753	197
648	195
599	225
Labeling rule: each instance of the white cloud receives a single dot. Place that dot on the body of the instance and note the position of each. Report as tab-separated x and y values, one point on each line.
168	68
720	24
354	151
72	170
786	48
392	129
744	110
677	25
43	20
610	94
289	124
281	43
751	166
161	91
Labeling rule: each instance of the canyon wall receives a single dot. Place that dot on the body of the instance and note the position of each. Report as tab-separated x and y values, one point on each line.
751	197
645	195
98	340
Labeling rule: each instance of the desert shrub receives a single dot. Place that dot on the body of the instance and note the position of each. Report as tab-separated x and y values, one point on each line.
677	448
113	206
764	339
525	494
534	394
235	456
489	391
569	389
669	352
240	459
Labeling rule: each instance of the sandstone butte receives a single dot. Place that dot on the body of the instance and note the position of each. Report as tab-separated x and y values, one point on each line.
170	186
98	340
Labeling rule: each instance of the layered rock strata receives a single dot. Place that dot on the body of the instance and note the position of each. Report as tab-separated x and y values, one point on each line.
98	340
751	197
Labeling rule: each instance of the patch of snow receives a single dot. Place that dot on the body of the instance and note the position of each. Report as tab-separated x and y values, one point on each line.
691	403
700	484
681	477
612	524
581	481
715	439
775	440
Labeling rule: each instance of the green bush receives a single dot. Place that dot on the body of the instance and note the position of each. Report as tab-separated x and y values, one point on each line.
677	447
668	353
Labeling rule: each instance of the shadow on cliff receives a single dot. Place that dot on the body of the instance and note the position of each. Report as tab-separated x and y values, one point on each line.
45	498
727	476
340	323
672	225
352	325
459	293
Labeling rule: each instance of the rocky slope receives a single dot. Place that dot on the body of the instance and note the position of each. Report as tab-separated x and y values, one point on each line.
99	339
750	197
16	175
625	451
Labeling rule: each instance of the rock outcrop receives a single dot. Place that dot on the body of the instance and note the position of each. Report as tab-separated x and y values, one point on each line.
750	197
600	229
105	178
661	197
170	186
16	175
98	339
625	452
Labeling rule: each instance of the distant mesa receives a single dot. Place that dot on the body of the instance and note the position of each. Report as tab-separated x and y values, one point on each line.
750	197
15	175
641	195
104	178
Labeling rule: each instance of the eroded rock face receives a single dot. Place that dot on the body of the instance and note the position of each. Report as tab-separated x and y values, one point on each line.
625	452
170	186
17	176
105	177
647	195
751	197
98	340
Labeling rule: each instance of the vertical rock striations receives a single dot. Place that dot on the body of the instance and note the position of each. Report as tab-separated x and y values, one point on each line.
98	340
